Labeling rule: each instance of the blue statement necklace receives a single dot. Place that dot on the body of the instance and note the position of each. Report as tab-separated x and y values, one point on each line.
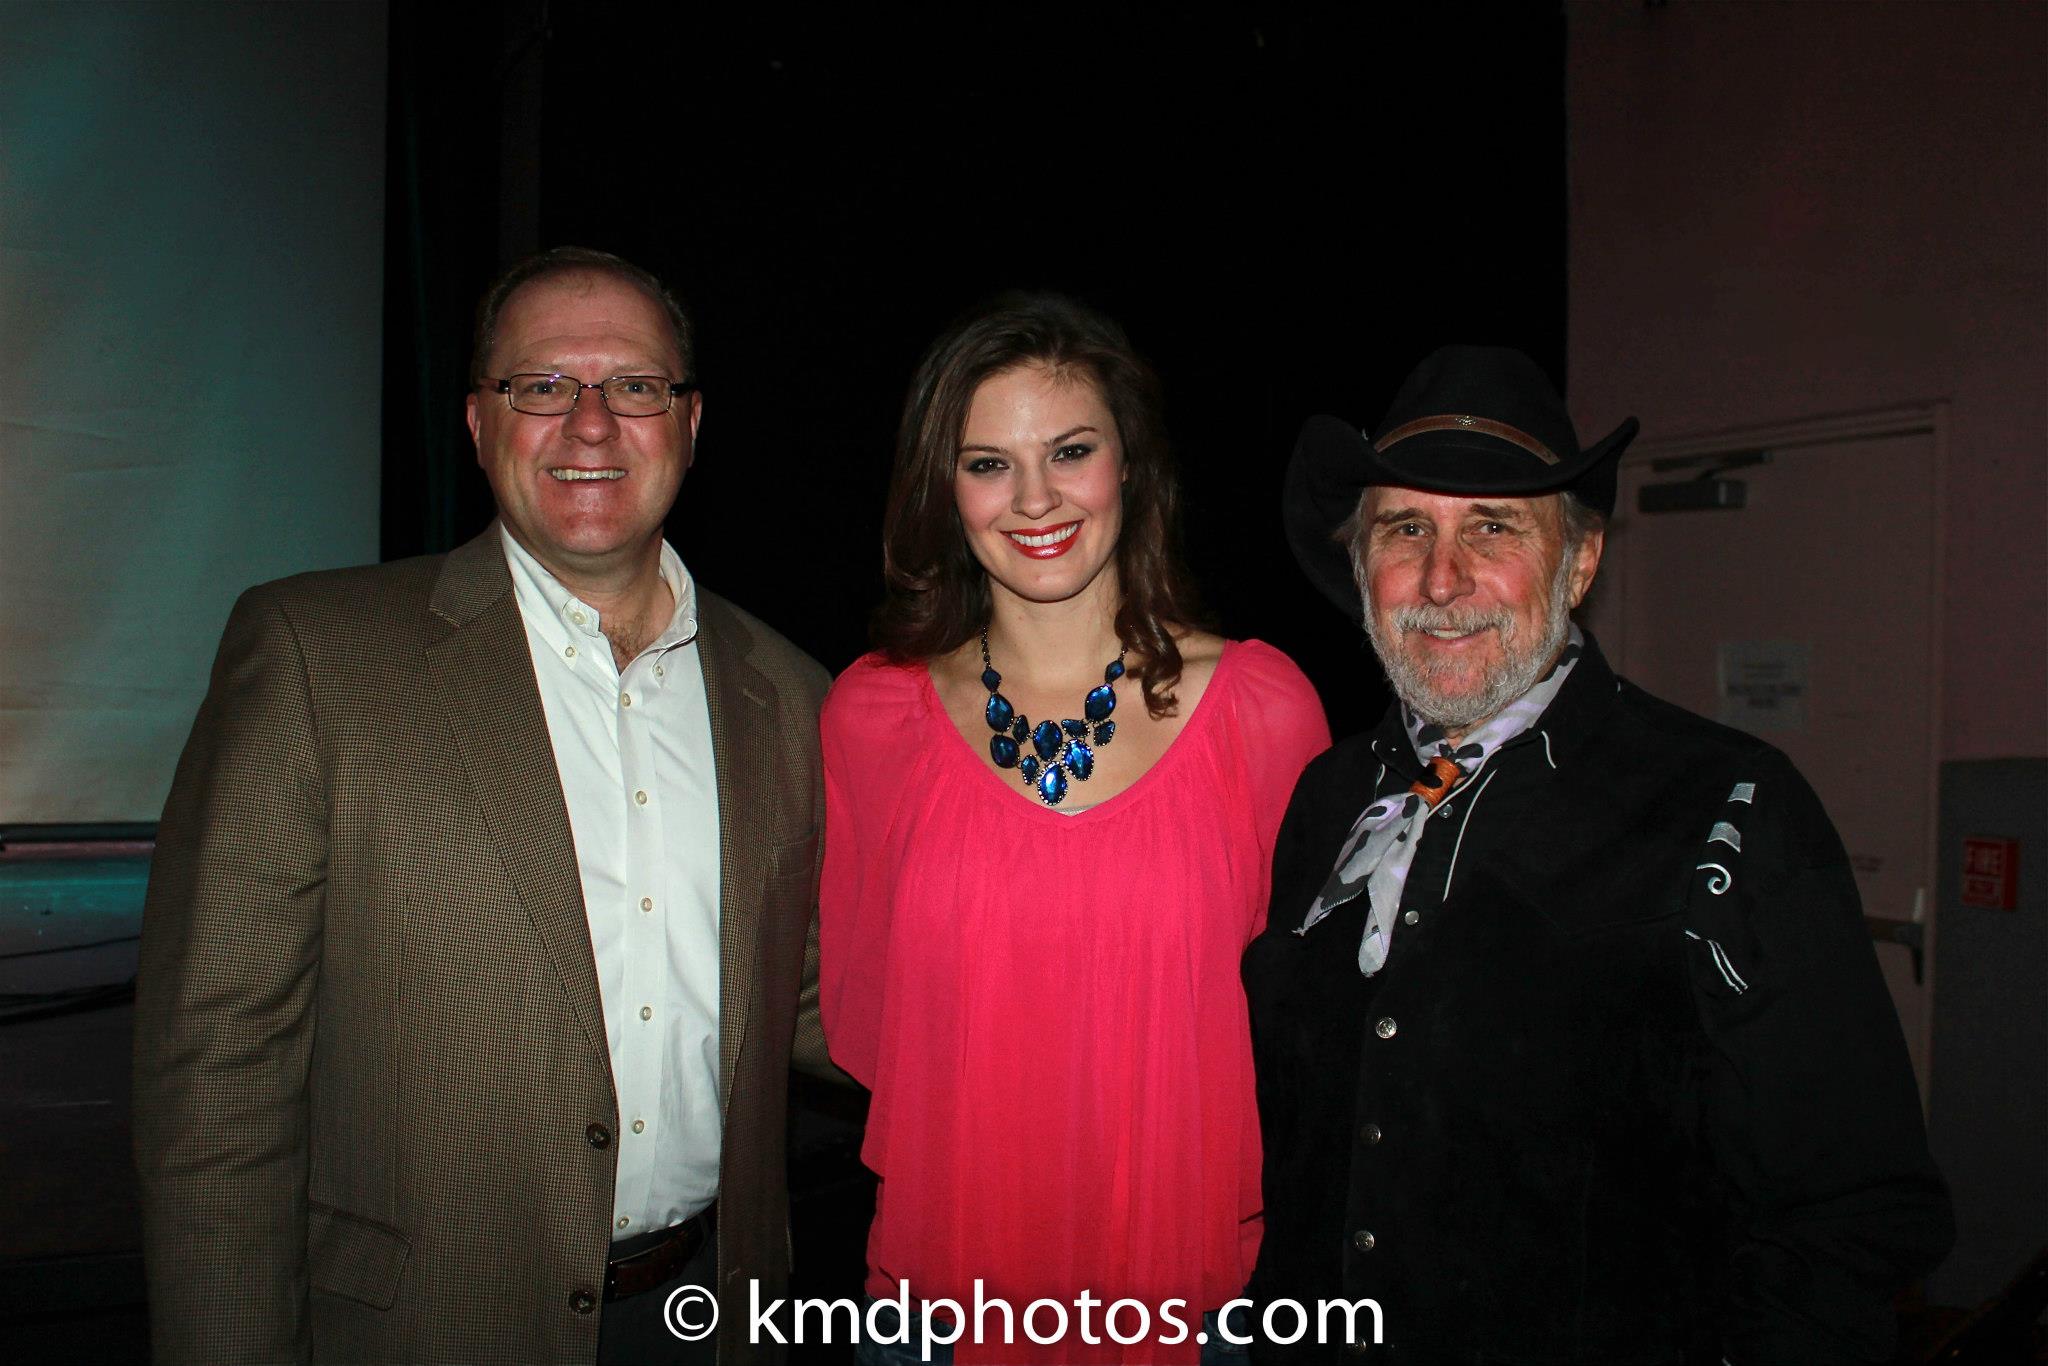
1063	748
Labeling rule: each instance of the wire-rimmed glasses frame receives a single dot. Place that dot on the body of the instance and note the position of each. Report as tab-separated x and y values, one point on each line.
556	395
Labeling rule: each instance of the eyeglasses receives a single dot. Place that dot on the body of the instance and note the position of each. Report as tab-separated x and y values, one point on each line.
623	395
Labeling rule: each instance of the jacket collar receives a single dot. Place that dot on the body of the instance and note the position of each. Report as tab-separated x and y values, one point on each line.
1567	725
473	577
746	748
482	670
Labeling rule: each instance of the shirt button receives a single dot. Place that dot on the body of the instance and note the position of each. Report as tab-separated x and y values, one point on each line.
576	617
1370	1133
639	1126
1363	1240
582	1301
640	797
598	1136
623	1221
646	903
1412	917
569	653
625	699
658	673
646	1012
1386	1027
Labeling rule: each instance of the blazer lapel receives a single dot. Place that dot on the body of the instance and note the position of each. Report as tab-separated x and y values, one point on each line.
742	749
483	671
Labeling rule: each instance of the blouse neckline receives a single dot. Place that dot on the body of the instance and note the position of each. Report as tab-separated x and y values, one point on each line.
963	752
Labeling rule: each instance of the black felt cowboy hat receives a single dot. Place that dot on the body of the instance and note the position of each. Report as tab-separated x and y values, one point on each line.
1469	420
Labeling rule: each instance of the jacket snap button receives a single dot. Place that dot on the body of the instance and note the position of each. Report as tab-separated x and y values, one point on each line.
1362	1240
599	1136
1386	1027
582	1301
1370	1133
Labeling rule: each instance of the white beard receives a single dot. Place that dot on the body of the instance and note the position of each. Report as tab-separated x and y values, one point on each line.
1517	671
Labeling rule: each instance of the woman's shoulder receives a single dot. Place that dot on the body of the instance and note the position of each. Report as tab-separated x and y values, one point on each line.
874	690
1276	708
1269	676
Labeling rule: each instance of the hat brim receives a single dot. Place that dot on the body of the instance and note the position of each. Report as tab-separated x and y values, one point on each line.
1333	464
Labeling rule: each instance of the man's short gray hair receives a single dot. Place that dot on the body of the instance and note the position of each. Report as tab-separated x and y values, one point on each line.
1581	519
559	261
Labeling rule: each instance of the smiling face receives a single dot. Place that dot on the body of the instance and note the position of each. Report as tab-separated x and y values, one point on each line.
1039	484
584	492
1468	600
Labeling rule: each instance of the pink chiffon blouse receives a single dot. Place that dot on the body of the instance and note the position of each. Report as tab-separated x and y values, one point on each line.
1047	1006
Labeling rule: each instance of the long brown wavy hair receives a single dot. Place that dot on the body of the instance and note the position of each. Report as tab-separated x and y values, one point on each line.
937	593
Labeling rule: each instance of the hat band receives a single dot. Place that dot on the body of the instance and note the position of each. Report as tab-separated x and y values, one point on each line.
1458	422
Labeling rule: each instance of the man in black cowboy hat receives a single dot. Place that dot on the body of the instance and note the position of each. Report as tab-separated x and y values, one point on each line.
1571	1043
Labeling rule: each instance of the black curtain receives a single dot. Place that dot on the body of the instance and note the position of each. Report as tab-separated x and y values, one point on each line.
1286	208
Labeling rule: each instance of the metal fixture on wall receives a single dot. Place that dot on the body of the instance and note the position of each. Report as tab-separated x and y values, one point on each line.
1705	491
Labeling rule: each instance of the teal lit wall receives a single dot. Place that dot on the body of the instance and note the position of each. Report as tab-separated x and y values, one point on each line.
191	267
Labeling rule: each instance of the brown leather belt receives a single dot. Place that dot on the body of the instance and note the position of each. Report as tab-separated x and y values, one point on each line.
663	1262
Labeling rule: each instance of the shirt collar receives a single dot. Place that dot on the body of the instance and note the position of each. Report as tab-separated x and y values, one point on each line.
561	618
1570	719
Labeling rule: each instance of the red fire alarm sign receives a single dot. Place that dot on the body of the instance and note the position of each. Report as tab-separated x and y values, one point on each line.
1991	873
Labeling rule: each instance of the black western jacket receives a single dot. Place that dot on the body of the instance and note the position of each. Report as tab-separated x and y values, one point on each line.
1629	1087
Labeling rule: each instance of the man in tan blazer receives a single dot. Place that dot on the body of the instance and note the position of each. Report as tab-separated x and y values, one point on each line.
480	933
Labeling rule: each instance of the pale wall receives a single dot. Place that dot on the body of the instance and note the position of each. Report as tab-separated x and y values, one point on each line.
1782	210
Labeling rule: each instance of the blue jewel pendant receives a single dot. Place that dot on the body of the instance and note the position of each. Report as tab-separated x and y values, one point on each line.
1047	740
1062	748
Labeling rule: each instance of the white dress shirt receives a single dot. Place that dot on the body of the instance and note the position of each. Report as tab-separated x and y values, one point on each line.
633	749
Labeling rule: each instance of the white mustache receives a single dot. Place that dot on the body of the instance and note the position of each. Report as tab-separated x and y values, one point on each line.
1449	619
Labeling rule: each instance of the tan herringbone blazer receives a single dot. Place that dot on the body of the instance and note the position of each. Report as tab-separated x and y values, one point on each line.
373	1102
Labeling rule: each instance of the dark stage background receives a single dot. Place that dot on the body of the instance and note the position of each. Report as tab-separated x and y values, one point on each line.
1285	209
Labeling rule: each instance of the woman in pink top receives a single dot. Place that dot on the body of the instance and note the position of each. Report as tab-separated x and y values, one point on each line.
1050	807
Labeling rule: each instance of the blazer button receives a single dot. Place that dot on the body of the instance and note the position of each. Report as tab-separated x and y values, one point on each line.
1363	1240
582	1301
1386	1027
1370	1133
599	1136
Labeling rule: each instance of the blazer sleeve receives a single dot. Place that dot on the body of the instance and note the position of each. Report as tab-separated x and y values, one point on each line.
807	1050
1812	1117
224	1015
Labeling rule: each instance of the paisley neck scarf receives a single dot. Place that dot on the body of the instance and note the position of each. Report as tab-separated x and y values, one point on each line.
1382	842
